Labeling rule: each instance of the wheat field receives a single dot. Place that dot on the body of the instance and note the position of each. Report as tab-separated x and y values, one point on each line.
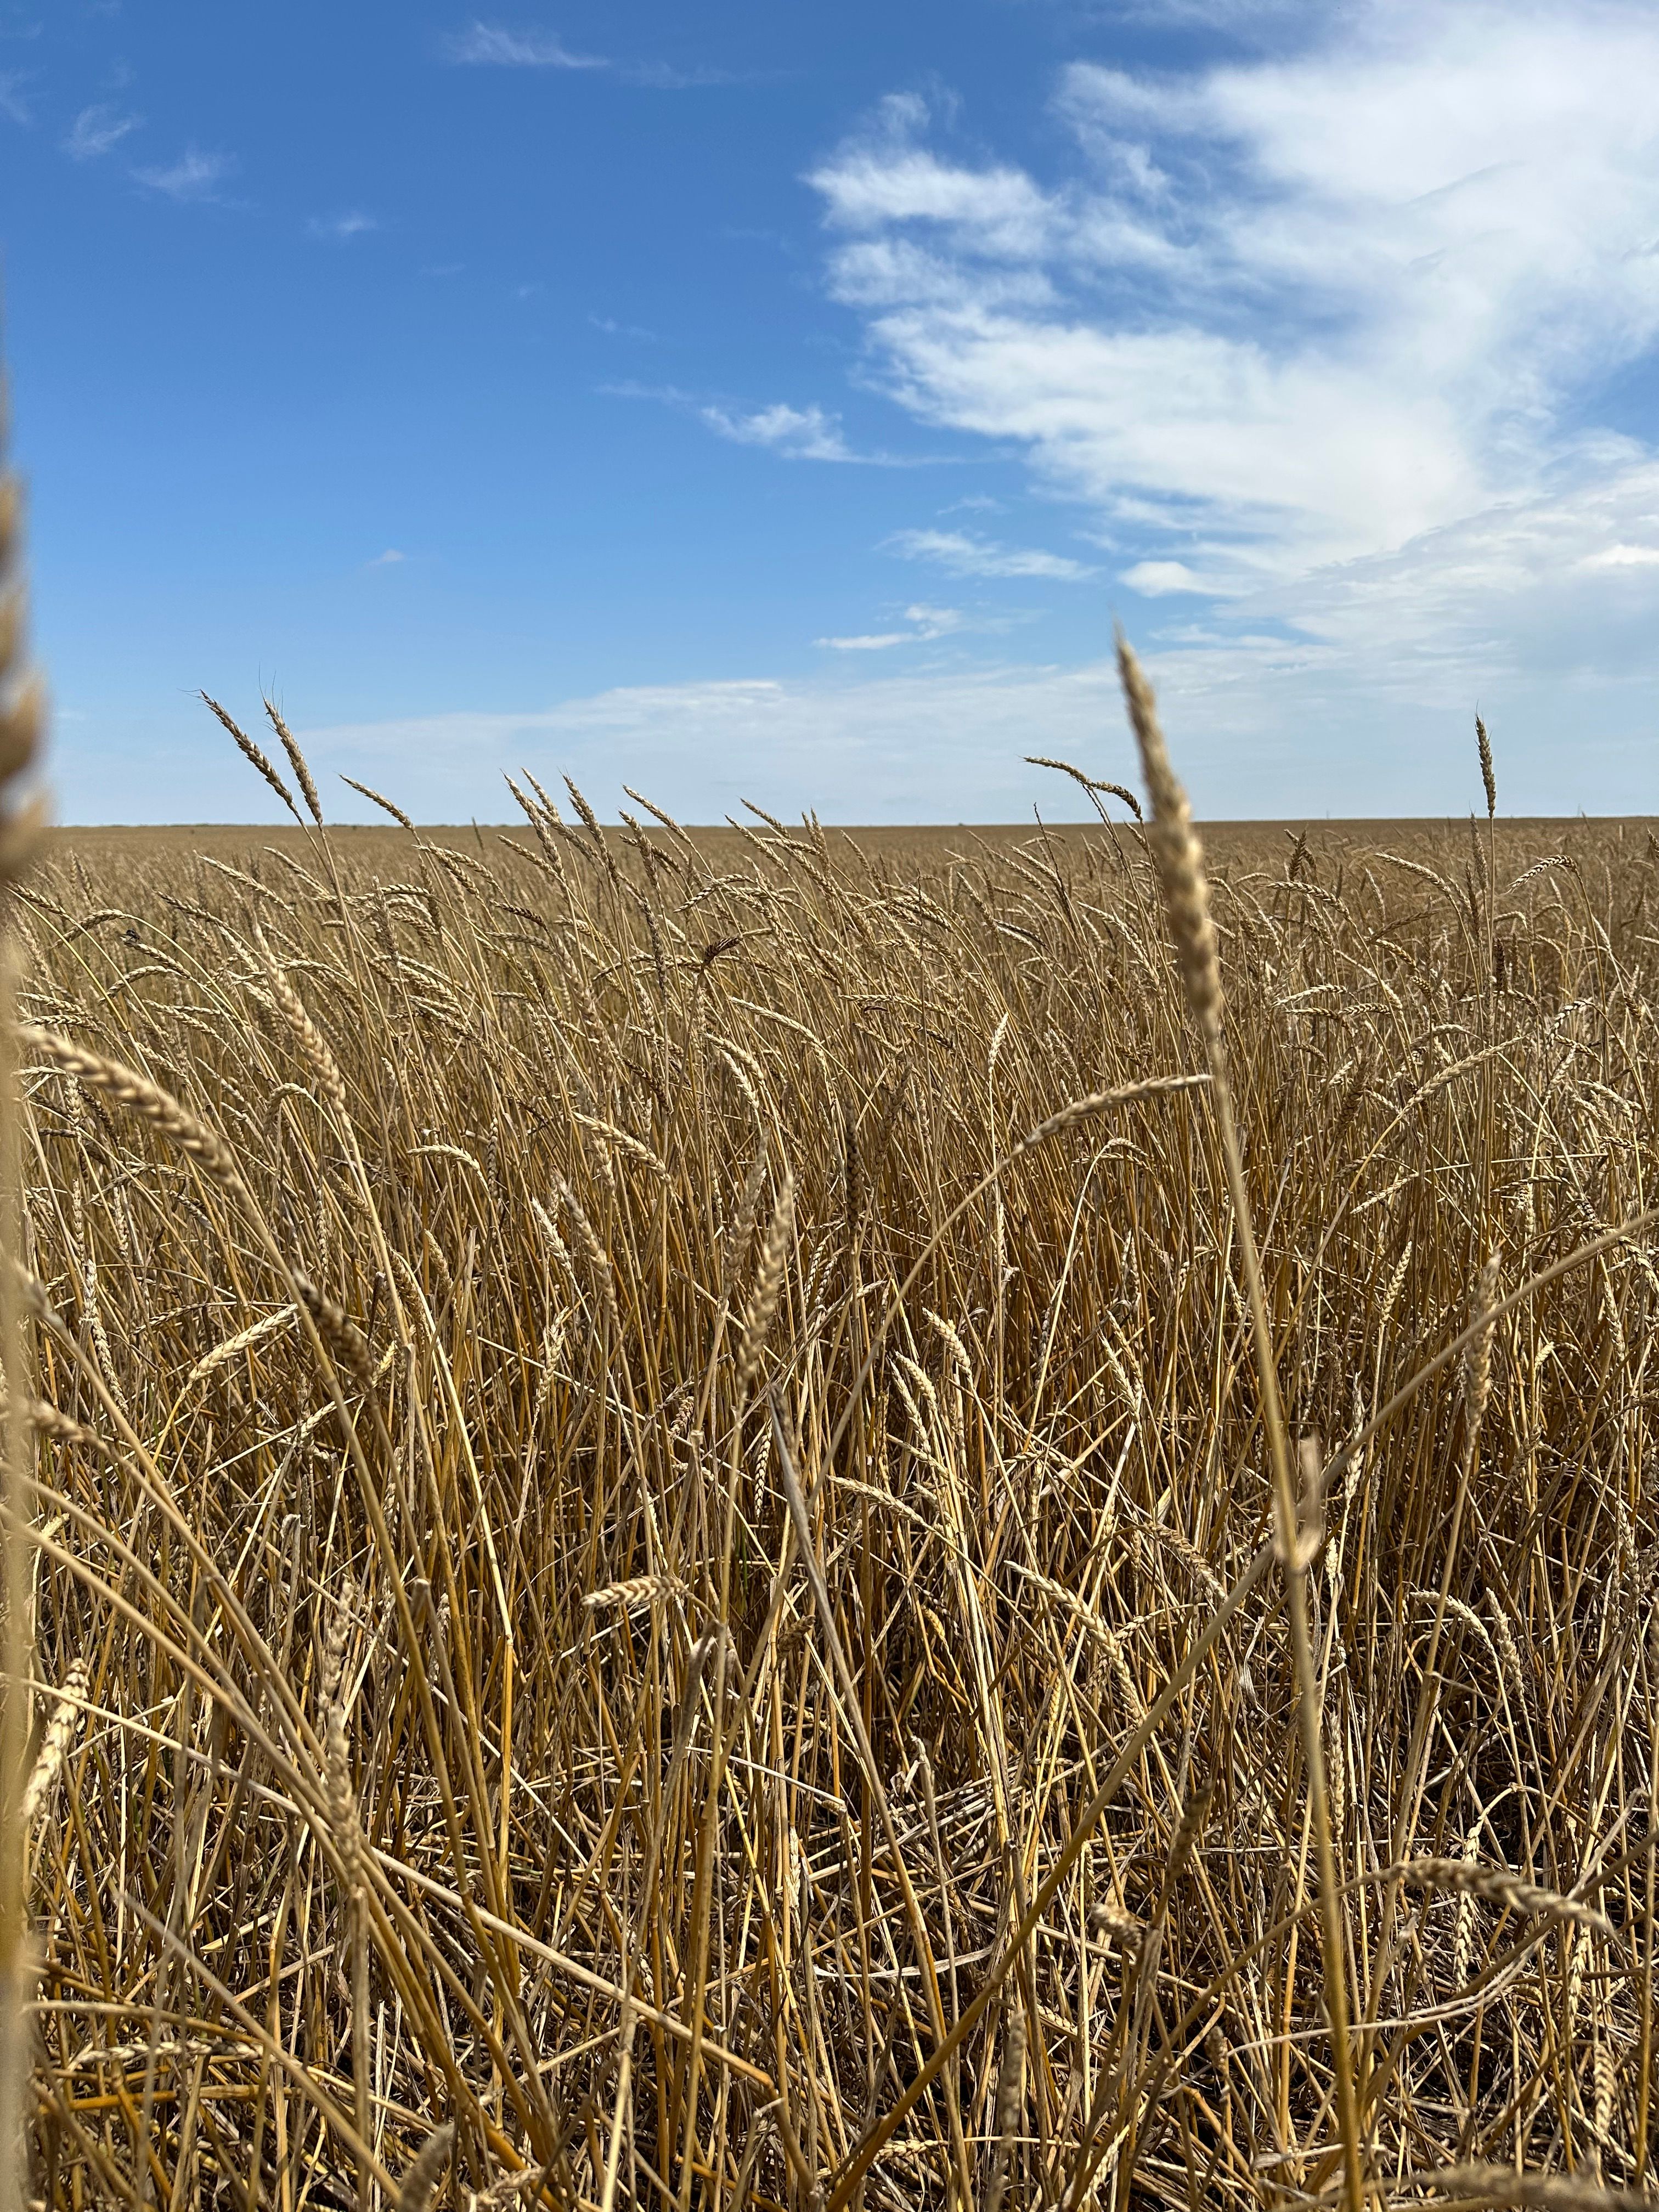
765	1520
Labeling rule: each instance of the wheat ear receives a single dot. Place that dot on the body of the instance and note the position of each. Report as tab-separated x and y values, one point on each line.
1011	2090
377	799
1177	855
298	762
251	752
54	1748
309	1037
419	2184
1487	776
769	1284
124	1086
1471	1879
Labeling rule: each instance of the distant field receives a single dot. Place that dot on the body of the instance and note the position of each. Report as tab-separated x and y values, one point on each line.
1245	845
649	1451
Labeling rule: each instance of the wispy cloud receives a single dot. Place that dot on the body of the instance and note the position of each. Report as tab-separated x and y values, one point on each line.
352	224
493	45
13	96
496	46
962	556
613	329
666	76
926	623
1157	580
1347	308
796	433
96	131
193	176
857	745
389	559
793	434
1623	556
936	622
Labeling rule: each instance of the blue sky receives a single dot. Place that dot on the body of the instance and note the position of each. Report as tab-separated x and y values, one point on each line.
759	401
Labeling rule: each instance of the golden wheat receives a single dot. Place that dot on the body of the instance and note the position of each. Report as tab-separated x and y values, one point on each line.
948	1577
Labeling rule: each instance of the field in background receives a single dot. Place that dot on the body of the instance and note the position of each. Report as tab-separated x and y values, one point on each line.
1237	844
602	1557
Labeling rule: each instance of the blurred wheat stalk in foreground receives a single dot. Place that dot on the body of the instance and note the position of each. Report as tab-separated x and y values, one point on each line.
730	1523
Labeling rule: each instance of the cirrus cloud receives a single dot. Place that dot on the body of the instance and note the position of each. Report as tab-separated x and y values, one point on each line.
799	433
96	129
193	176
493	45
965	555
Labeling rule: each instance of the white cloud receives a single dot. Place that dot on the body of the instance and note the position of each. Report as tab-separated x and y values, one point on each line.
893	181
1281	322
352	224
1154	579
664	76
1385	732
96	129
1623	556
193	176
872	748
926	623
799	433
492	46
981	556
13	99
794	434
389	559
936	622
